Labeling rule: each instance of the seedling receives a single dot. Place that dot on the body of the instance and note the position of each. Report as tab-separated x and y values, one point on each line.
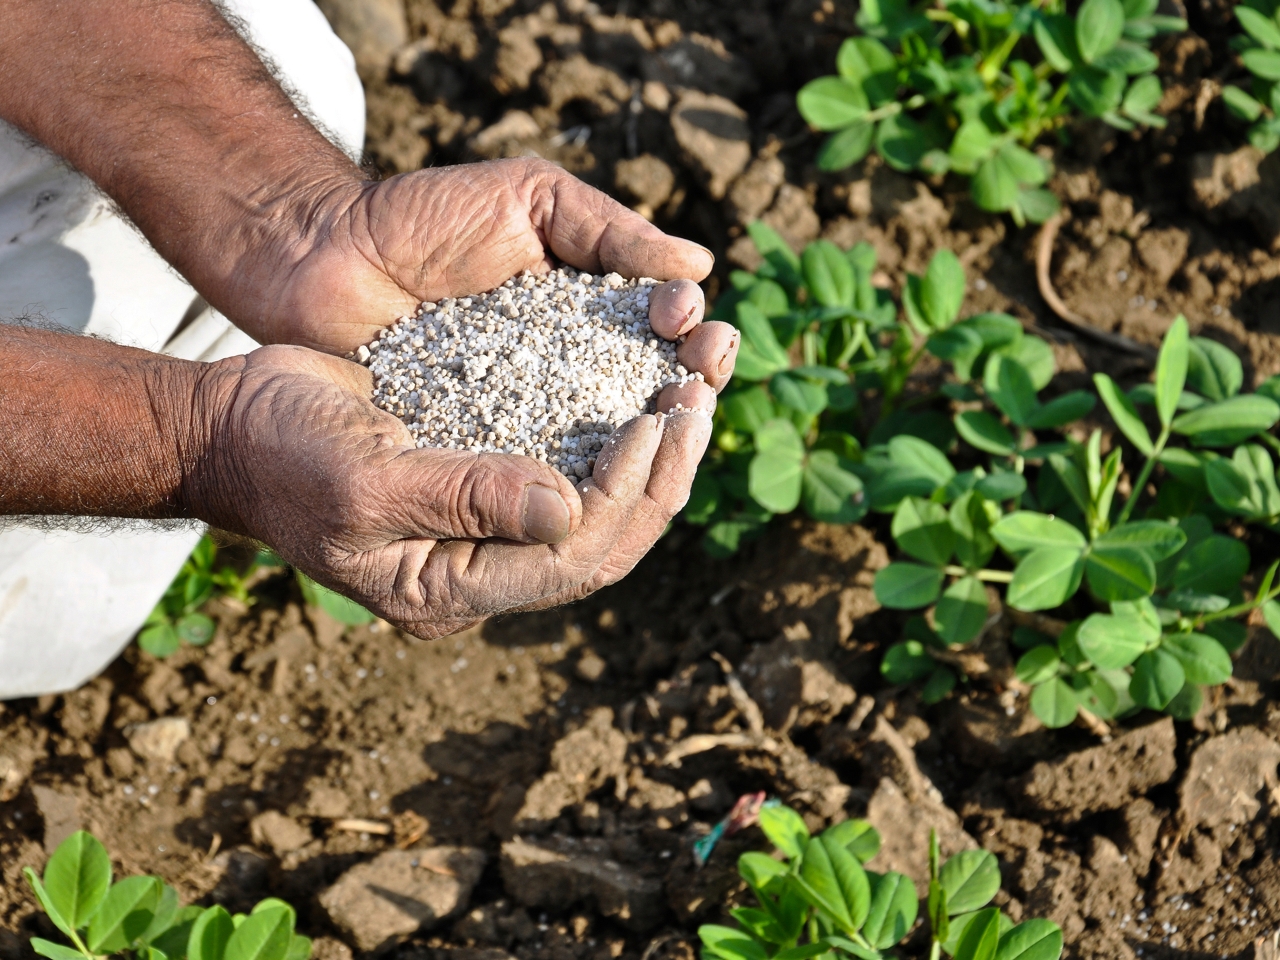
817	898
141	917
1259	49
1165	588
176	618
971	87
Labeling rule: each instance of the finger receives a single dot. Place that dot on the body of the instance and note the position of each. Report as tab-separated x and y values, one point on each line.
453	494
684	441
675	308
711	349
690	395
592	231
463	579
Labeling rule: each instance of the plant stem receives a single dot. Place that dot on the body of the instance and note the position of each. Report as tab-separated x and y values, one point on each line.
935	950
990	576
1143	477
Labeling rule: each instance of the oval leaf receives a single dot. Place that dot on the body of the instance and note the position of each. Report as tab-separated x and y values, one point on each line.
1031	940
1230	421
923	529
962	611
77	877
981	937
1124	414
830	103
1038	665
1171	370
209	934
893	909
1055	703
1112	642
970	878
1099	24
907	586
1045	578
1158	677
785	829
980	429
1204	660
1024	530
1120	573
125	914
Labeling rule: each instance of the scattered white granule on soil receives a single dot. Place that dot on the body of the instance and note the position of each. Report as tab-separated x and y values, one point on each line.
542	366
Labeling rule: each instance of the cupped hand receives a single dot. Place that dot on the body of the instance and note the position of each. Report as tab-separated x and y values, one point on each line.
430	539
373	251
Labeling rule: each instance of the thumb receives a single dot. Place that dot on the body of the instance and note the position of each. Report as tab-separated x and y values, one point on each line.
451	494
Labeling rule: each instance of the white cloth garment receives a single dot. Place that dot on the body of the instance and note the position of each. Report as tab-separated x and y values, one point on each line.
70	601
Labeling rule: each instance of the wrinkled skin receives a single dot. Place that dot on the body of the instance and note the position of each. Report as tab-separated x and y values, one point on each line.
435	540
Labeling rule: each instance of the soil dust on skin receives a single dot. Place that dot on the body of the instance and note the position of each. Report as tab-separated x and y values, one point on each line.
562	763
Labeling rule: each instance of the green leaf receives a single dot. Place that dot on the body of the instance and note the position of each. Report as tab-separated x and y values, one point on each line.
1038	665
994	187
747	410
980	429
125	914
1171	370
1056	38
1099	24
49	907
829	103
160	640
1055	702
1123	412
1112	642
940	683
907	586
828	274
903	141
857	836
1230	633
855	888
785	829
77	877
1009	387
893	909
1129	58
1241	104
923	529
1203	659
868	62
760	870
1045	578
982	936
971	878
1157	678
971	518
728	943
906	662
1120	573
1262	63
1034	939
1036	357
936	901
942	289
299	948
335	604
165	917
831	493
922	458
1037	205
1001	486
1214	565
961	613
1062	410
1259	26
1022	531
818	877
769	241
774	477
1096	92
799	393
1229	421
1213	371
54	951
210	934
1157	538
265	935
758	334
196	629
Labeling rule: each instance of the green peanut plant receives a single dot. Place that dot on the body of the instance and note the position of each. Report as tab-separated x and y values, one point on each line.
176	618
141	917
970	86
816	898
1259	49
815	414
1160	594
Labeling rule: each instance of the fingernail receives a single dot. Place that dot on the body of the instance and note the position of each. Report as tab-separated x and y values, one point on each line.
706	251
546	515
690	320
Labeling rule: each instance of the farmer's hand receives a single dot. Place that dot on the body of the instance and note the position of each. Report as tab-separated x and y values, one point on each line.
432	540
374	251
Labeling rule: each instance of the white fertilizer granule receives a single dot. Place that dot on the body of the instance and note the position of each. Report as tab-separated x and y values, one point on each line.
545	366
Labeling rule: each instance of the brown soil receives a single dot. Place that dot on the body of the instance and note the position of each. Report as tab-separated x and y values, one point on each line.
561	750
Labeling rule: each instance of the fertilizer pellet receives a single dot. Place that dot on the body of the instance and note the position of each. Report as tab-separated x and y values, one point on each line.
544	366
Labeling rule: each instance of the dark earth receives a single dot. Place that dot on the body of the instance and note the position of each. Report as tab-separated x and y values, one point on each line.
532	788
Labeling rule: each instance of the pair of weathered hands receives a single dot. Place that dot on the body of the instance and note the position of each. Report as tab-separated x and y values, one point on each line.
433	540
